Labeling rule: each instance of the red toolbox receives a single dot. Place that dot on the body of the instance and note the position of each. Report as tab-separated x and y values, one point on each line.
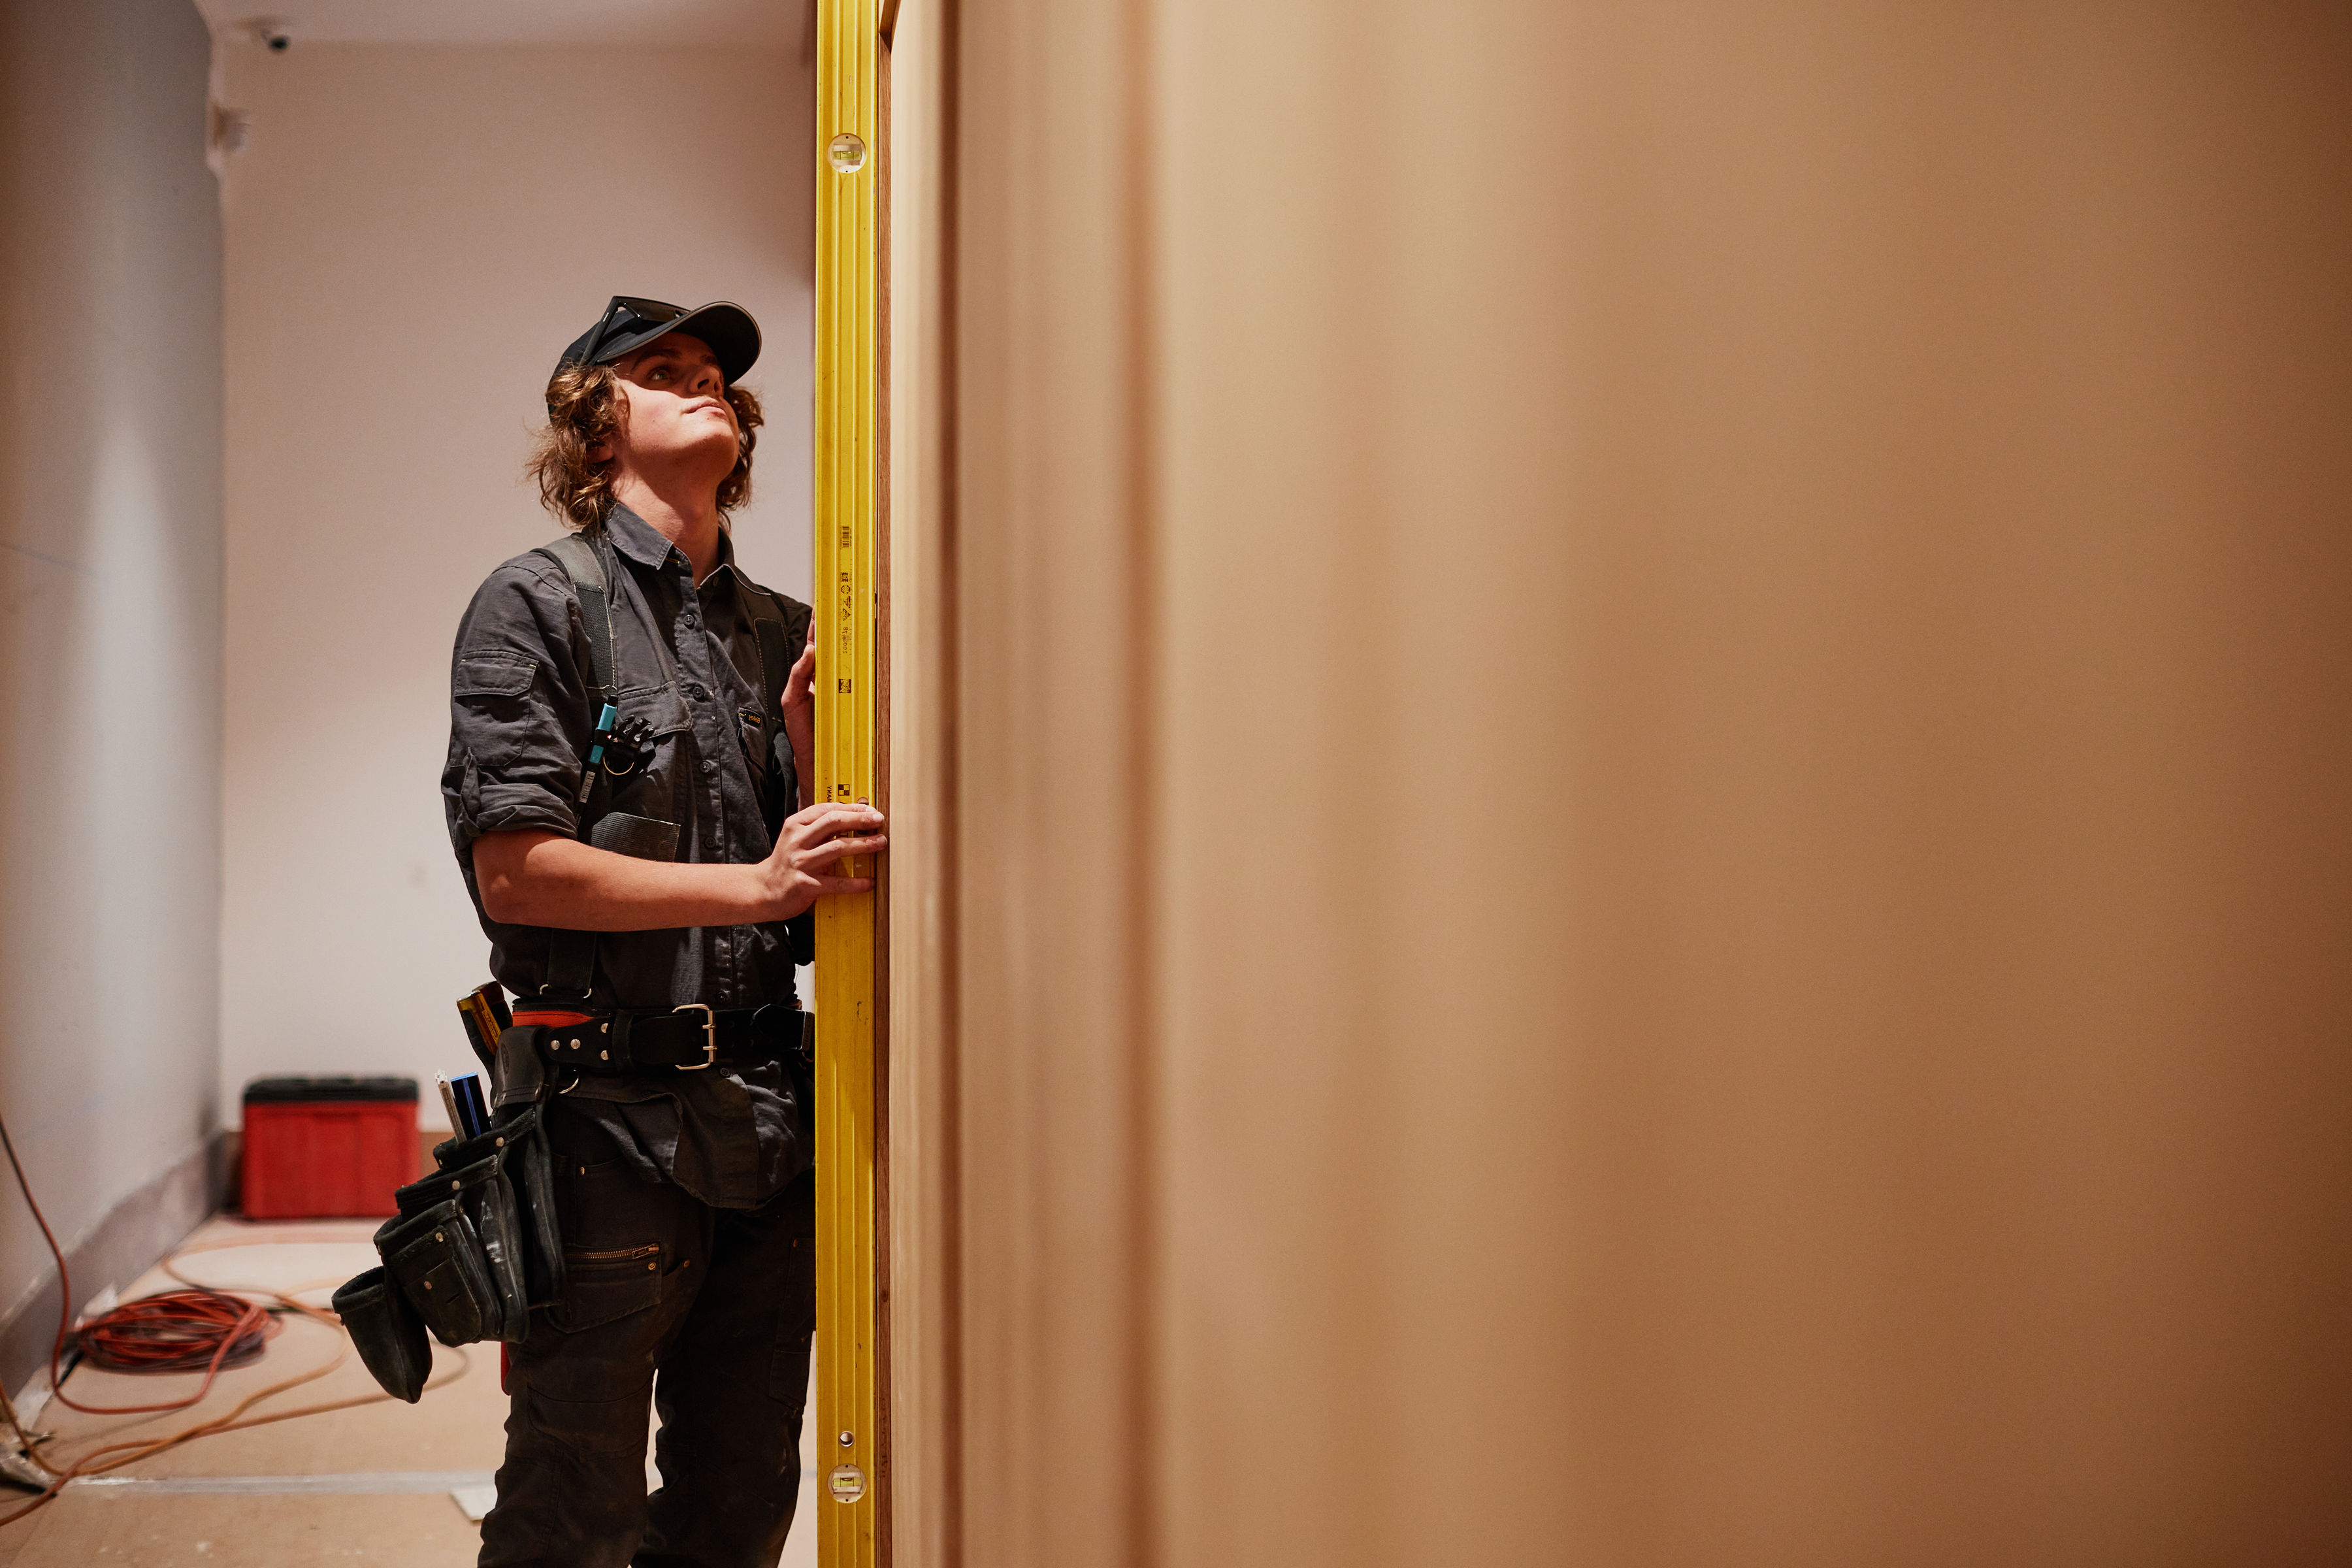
321	1147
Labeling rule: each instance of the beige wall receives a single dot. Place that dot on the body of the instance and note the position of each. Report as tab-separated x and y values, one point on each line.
1657	711
413	235
109	644
1050	723
923	1157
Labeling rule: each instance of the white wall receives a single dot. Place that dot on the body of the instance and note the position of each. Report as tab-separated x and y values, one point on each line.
110	625
414	235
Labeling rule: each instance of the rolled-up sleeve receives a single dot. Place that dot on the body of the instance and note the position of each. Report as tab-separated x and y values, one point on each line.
519	720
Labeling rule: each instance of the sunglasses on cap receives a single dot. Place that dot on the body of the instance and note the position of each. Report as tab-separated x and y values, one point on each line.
627	316
629	324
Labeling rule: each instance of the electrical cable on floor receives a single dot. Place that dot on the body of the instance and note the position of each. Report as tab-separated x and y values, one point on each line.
200	1329
180	1330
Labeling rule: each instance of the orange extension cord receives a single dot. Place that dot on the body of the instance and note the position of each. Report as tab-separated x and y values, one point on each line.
178	1330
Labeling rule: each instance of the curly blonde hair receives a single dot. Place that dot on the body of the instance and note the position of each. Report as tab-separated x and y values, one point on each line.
584	408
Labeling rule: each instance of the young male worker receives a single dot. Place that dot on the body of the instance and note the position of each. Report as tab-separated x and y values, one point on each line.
646	918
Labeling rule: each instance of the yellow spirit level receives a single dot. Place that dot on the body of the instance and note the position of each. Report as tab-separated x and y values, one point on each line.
850	1435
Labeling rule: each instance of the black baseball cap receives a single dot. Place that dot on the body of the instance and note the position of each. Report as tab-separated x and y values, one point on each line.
628	324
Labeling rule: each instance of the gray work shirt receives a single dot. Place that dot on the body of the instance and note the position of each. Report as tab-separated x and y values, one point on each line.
522	710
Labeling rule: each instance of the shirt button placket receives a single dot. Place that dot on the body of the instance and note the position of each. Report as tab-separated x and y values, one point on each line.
694	657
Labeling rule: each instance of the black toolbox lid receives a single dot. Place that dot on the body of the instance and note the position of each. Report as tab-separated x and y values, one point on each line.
263	1090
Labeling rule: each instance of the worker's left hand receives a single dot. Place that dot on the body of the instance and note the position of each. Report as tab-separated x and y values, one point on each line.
800	712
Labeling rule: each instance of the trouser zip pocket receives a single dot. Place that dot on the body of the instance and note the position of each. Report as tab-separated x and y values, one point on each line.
601	1286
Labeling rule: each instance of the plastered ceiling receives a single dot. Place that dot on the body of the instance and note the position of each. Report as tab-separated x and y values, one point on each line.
774	24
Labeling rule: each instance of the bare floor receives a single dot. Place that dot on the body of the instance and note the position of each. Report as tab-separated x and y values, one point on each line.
371	1485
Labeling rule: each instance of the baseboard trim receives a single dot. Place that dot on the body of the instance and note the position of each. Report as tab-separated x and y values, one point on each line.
136	1234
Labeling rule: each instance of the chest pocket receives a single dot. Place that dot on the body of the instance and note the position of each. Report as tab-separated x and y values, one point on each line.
754	726
646	806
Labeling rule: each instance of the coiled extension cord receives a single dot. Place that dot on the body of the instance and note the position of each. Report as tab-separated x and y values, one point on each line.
179	1330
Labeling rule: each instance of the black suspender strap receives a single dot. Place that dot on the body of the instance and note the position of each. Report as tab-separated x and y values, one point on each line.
583	562
584	566
776	659
780	633
587	570
571	959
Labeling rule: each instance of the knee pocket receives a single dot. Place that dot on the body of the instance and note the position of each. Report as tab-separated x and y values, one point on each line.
591	1427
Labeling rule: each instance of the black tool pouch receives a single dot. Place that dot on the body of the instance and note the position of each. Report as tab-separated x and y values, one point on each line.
446	1268
474	1247
388	1332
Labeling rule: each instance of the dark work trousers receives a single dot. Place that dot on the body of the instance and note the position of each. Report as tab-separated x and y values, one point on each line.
707	1312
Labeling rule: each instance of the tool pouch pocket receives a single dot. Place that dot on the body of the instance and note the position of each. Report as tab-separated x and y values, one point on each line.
388	1333
473	1246
441	1263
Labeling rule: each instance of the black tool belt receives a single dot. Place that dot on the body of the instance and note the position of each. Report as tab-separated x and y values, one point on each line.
472	1251
676	1039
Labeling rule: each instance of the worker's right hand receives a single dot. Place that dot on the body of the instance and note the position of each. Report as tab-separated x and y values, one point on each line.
813	840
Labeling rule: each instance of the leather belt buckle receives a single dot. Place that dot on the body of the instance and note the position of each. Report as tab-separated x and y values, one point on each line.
709	1036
